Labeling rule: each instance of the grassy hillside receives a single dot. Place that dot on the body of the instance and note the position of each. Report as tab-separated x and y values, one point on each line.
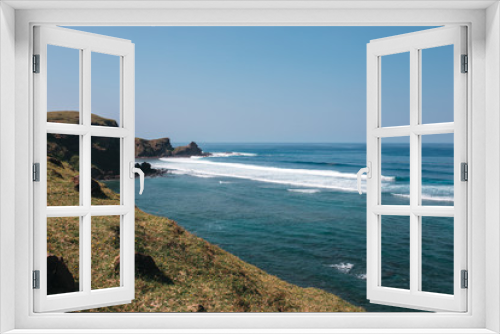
195	275
191	275
72	117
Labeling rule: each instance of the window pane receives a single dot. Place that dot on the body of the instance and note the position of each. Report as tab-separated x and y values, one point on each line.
105	155
437	170
395	166
437	84
437	254
396	252
105	252
63	164
63	255
105	89
395	89
63	85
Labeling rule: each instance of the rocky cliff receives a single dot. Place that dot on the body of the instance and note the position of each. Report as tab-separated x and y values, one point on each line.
106	151
154	148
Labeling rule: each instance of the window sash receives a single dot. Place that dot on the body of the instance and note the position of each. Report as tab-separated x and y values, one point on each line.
85	298
413	43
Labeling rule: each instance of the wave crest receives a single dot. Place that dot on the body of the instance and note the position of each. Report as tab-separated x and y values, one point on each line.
231	154
304	191
305	179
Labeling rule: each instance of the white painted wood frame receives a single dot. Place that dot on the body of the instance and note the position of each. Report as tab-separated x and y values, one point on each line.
483	20
414	43
86	43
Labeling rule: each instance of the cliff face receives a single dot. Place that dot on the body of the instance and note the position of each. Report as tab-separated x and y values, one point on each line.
153	148
187	151
106	151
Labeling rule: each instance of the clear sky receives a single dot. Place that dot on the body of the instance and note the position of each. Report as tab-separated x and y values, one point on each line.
255	84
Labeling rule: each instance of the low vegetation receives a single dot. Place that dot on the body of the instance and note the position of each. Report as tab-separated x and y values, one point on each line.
176	271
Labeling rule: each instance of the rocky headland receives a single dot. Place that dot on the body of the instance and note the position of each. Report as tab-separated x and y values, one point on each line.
106	151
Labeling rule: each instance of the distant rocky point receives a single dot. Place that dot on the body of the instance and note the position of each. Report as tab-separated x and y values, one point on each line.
161	148
106	151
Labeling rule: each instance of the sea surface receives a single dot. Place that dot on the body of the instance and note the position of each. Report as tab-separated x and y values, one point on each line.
293	211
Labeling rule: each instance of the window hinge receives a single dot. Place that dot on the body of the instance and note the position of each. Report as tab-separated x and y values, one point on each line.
465	64
36	63
465	279
464	170
36	172
36	279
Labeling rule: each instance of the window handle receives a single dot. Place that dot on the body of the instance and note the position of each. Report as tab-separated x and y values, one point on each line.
133	171
368	171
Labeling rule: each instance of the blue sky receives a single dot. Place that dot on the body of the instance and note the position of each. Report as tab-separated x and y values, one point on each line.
255	84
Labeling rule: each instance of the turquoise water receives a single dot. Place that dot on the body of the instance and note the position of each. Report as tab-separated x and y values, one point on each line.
293	211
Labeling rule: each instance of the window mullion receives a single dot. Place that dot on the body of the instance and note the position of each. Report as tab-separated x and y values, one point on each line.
414	170
85	174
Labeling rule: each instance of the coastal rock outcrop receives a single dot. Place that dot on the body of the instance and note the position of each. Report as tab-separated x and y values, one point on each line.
161	148
148	171
154	148
187	151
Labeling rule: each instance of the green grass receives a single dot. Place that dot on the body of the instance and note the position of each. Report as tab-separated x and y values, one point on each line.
196	275
198	272
73	117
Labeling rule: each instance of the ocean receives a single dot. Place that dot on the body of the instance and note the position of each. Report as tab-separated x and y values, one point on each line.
293	211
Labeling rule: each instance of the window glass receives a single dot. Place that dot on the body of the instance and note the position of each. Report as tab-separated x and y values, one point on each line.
395	252
63	85
105	155
105	252
437	254
63	165
395	89
437	84
395	166
63	255
437	170
105	89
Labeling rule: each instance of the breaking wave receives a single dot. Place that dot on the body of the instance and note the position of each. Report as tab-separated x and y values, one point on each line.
307	178
304	191
308	181
231	154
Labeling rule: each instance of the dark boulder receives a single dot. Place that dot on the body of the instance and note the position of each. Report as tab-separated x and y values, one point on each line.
148	171
197	308
59	278
145	267
95	187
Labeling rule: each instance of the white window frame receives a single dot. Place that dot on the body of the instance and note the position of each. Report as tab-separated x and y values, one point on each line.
414	44
123	50
483	21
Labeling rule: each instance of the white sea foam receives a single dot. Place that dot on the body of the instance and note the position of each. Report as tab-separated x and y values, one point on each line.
361	276
343	267
307	178
192	173
304	178
424	196
231	154
225	182
304	191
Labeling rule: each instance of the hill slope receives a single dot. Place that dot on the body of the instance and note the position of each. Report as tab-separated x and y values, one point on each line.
176	271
